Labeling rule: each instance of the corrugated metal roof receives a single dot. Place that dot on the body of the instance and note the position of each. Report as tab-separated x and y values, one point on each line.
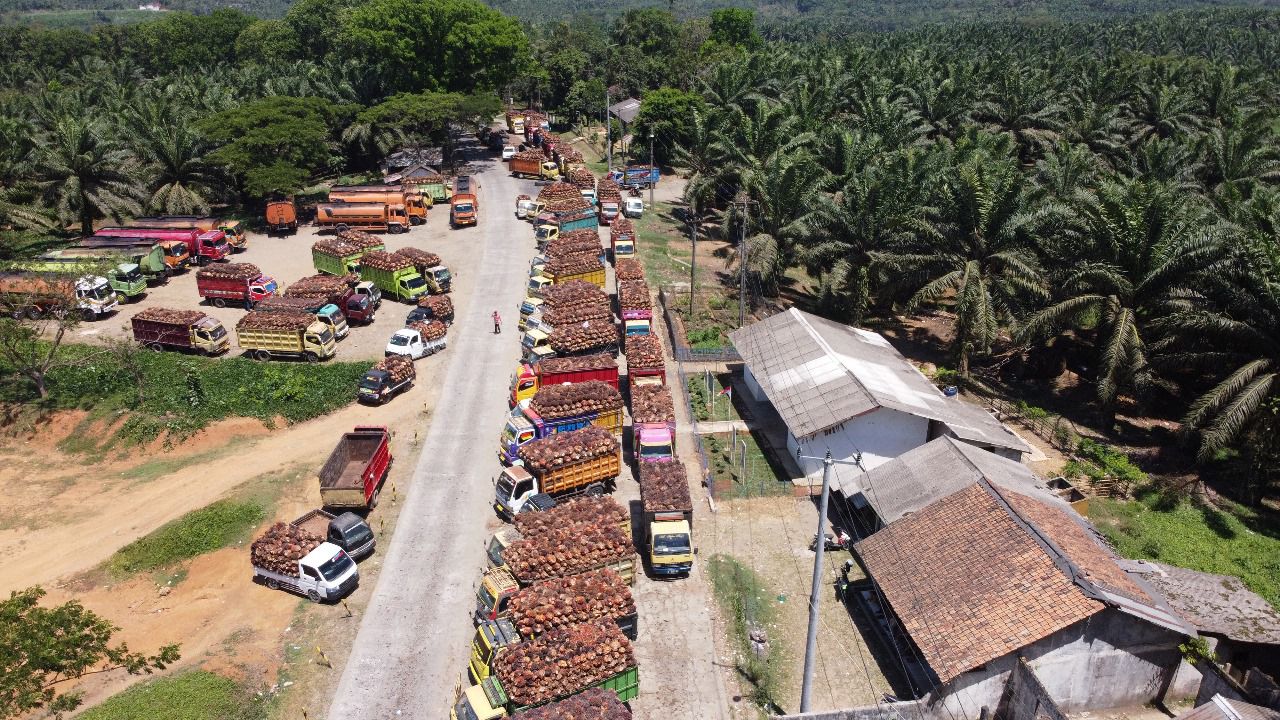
819	373
626	110
1221	708
1217	604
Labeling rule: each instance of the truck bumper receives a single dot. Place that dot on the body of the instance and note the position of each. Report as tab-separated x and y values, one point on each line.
674	570
363	551
503	511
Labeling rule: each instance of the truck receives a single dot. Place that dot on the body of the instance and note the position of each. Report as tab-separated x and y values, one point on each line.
526	165
371	216
588	338
392	195
357	301
636	321
566	269
411	343
548	226
232	230
265	335
622	239
543	415
333	256
353	475
124	278
161	329
524	205
653	423
384	380
34	295
324	573
668	517
515	122
241	283
636	176
281	217
593	470
403	283
463	210
157	259
439	279
348	531
202	247
530	377
325	312
632	207
432	186
610	208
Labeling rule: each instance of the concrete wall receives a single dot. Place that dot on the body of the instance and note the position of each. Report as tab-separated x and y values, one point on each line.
1026	698
881	435
753	385
910	710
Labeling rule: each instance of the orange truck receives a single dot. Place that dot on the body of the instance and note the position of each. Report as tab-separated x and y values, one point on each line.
282	217
389	194
463	210
375	216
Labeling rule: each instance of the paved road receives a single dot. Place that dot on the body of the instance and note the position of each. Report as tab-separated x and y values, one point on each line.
415	636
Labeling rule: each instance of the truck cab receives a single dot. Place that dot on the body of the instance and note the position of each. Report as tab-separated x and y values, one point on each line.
234	233
211	246
493	594
588	194
545	232
608	211
538	283
524	384
369	290
513	488
409	342
670	544
491	638
377	386
127	280
176	254
95	297
534	210
358	308
326	573
537	344
348	531
655	443
209	336
439	279
319	340
550	170
516	432
624	248
633	207
330	315
462	210
532	305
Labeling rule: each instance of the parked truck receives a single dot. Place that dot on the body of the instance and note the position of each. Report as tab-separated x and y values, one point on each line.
335	256
323	573
265	335
394	275
232	230
636	308
162	328
174	254
531	377
622	239
33	295
637	176
203	247
392	195
533	164
348	531
146	254
325	312
358	302
125	279
549	226
587	338
434	187
653	423
429	266
412	343
353	475
463	210
551	411
282	217
238	283
668	517
370	216
645	362
386	379
561	465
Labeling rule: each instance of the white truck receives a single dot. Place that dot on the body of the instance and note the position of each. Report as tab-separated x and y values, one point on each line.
408	341
324	574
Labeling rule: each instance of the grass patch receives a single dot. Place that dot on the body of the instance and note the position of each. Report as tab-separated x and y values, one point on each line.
708	403
193	695
749	604
757	477
1232	541
179	394
198	532
152	469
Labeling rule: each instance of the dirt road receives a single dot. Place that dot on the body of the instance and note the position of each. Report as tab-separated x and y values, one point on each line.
415	636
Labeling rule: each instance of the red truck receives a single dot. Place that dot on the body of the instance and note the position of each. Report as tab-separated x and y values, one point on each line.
352	477
247	290
206	247
555	371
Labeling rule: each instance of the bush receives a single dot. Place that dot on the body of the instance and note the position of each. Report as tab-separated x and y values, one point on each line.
1112	463
194	695
195	533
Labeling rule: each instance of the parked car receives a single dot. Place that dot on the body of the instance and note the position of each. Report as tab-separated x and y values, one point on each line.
633	207
508	152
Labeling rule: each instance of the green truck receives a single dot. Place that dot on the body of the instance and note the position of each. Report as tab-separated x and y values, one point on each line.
124	278
404	284
335	264
149	256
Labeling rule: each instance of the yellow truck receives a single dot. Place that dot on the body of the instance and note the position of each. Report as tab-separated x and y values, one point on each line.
265	335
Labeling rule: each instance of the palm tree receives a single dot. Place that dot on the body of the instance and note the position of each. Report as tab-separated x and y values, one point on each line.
1025	105
1140	248
1164	111
976	245
82	174
181	180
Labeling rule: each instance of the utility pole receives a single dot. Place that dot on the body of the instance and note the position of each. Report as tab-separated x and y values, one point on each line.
742	259
693	254
608	128
820	546
651	168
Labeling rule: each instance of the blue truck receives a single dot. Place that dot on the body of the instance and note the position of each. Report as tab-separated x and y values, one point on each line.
549	225
637	176
524	425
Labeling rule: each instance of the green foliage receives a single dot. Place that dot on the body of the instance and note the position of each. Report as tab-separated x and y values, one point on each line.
191	695
1228	540
749	603
182	40
269	41
1111	463
669	114
198	532
43	647
733	28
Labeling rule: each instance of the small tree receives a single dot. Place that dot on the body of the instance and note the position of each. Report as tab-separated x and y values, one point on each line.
43	647
39	314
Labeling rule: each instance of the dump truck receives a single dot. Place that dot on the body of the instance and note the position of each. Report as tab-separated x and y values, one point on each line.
587	338
232	230
534	610
371	216
525	423
358	302
636	308
575	267
125	278
162	328
434	187
281	217
326	312
403	283
439	279
392	195
348	531
335	256
32	295
549	226
525	165
653	423
585	461
353	475
530	377
645	362
668	517
524	205
238	283
202	247
287	559
158	259
515	122
386	379
265	335
463	210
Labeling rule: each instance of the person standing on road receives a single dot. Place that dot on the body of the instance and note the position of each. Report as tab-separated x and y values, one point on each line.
497	323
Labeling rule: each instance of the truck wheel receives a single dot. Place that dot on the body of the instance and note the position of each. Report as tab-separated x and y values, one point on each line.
311	357
87	315
313	596
262	355
219	302
156	347
595	490
272	583
396	229
415	220
377	495
32	313
342	227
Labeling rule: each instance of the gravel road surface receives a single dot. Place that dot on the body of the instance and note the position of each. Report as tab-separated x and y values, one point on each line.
415	636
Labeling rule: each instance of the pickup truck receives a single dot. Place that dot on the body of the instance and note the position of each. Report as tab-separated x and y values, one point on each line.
593	474
529	377
633	207
409	342
325	312
158	329
348	531
247	291
352	477
325	573
379	384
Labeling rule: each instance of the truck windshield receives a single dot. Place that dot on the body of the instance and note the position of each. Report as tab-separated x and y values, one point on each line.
415	283
336	566
463	710
462	207
99	292
177	249
371	382
326	337
357	536
131	276
443	274
671	544
648	450
218	332
269	288
543	231
495	552
504	490
399	340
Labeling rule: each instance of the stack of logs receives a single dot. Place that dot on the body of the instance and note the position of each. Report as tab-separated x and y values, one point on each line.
629	269
319	286
553	402
599	510
583	336
567	551
571	600
634	295
430	331
568	448
563	661
582	178
174	317
561	265
289	321
664	487
420	258
574	242
281	547
382	260
580	363
572	293
230	271
441	306
644	351
399	367
652	404
594	704
361	239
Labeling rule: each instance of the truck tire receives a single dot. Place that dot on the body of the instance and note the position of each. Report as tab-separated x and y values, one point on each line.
415	220
272	583
377	495
156	347
342	227
595	490
87	315
313	596
311	357
261	355
219	302
396	229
